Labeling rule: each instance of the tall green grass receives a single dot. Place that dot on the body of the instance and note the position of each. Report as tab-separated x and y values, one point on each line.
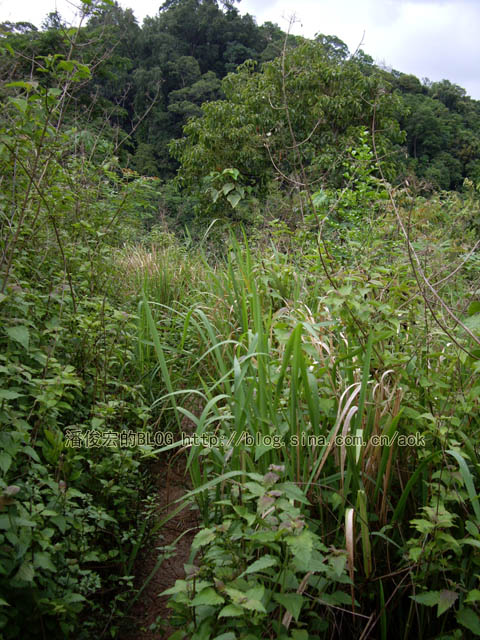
272	356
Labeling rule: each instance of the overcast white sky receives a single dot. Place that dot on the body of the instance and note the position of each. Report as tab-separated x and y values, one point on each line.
429	38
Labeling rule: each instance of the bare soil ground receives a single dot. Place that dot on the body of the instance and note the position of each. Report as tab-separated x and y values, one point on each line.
171	483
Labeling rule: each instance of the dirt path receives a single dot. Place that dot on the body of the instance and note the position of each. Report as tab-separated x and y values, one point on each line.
172	484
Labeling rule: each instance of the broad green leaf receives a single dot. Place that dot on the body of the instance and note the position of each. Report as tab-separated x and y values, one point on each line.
338	563
234	198
469	619
317	563
473	322
20	334
5	461
20	103
473	308
231	611
255	488
336	598
235	173
291	601
299	634
262	563
415	553
44	561
243	512
292	491
301	547
66	65
82	72
60	522
31	452
422	525
253	604
180	586
261	449
445	600
24	522
248	600
263	537
237	596
227	188
429	599
203	537
71	598
207	597
25	573
254	597
473	596
21	84
6	394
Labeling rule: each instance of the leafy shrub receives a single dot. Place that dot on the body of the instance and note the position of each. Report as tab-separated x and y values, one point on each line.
71	517
264	572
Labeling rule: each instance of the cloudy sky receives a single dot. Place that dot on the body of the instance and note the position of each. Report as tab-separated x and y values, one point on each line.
433	39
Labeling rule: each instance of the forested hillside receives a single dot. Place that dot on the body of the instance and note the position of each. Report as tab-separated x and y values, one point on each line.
250	260
150	78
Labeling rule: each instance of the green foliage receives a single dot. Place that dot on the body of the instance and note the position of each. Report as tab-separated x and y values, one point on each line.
64	530
182	53
231	190
261	566
329	393
284	363
342	212
441	124
293	120
150	79
70	515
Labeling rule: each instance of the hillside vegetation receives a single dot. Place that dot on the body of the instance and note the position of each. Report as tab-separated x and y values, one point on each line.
258	254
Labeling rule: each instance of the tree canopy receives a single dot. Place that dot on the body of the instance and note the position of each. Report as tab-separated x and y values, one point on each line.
151	79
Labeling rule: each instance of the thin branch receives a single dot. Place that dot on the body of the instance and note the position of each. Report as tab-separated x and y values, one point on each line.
417	267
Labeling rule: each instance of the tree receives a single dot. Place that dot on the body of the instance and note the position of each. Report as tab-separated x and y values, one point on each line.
186	49
442	126
335	49
16	27
292	121
451	95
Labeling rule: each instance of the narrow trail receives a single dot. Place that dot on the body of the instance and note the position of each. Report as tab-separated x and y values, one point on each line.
172	483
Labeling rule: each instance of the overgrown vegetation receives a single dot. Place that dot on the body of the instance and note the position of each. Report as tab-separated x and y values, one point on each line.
72	518
317	322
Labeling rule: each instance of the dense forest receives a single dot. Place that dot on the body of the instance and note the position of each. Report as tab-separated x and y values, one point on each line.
148	80
248	260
